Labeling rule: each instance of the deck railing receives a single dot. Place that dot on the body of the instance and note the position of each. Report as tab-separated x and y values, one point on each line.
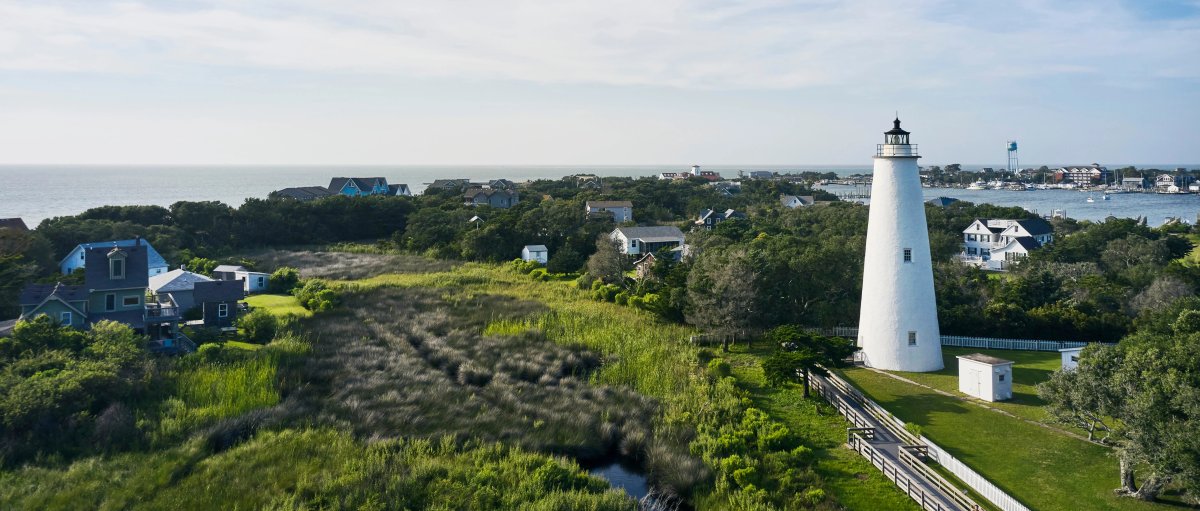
991	343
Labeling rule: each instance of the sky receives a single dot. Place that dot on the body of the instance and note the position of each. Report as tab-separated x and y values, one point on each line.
596	82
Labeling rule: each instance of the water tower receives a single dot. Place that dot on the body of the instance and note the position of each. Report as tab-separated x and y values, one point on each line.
1012	157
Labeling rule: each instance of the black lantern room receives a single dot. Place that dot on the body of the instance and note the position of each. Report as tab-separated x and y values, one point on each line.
895	136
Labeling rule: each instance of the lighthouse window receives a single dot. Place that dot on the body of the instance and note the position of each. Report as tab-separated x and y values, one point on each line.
912	338
908	255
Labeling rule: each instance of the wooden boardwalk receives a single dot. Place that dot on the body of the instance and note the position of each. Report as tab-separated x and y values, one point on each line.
891	449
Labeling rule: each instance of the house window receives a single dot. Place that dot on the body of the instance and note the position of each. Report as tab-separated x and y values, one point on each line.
908	255
130	301
116	268
912	338
970	237
970	250
1001	376
65	319
262	281
1074	358
222	310
110	302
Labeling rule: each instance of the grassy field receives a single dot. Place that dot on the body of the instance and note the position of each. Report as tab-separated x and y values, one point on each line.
279	305
1042	467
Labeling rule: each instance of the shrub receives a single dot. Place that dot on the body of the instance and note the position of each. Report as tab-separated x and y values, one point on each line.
540	275
315	295
212	352
913	428
284	280
622	298
202	335
259	326
719	368
637	302
585	281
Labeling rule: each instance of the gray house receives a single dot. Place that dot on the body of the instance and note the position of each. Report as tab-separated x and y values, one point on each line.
178	285
491	197
218	299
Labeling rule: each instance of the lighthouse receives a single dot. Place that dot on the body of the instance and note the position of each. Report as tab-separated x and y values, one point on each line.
897	324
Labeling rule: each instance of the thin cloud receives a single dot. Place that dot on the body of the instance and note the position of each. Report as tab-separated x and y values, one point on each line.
703	45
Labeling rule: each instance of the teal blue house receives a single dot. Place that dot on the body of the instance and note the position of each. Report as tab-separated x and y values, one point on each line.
360	186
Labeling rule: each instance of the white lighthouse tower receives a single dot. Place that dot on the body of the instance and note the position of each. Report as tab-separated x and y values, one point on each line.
897	325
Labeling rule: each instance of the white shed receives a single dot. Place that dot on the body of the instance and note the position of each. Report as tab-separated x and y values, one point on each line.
255	282
537	253
1070	358
985	377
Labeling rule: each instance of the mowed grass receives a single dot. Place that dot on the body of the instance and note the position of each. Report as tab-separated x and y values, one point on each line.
278	305
1042	467
1029	369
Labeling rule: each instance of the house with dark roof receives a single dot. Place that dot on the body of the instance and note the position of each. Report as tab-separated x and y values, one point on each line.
117	288
66	304
491	197
77	257
450	185
400	190
218	302
359	186
620	210
636	241
709	218
995	244
15	224
796	201
303	193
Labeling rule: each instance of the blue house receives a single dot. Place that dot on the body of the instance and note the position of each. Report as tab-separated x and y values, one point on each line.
77	257
360	186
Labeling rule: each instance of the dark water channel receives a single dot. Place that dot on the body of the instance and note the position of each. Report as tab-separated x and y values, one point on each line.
622	476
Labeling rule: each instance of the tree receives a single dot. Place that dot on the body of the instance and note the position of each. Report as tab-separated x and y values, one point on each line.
1149	384
259	326
723	293
801	354
608	263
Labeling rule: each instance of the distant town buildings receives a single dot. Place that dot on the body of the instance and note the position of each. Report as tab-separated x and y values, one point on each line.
694	172
348	186
1083	174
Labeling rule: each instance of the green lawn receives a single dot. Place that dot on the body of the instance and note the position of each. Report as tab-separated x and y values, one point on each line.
1030	369
279	305
1042	467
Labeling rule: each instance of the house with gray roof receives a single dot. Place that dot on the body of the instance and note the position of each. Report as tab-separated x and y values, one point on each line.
996	244
538	253
709	218
400	190
303	193
179	285
491	197
77	257
620	210
796	201
65	304
636	241
219	302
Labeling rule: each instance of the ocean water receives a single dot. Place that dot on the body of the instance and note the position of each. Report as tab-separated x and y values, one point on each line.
37	192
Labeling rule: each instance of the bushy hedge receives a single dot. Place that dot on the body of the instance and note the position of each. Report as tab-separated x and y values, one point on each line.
316	295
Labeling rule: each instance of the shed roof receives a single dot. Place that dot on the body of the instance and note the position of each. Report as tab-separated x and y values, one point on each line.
652	233
230	268
985	359
34	294
536	248
219	291
608	204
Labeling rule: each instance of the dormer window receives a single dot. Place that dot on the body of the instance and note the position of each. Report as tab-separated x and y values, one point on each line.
116	265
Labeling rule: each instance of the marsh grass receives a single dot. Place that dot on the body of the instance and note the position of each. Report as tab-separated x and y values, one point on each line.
346	264
410	361
315	469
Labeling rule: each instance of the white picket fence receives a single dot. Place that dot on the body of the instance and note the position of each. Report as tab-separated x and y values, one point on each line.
991	343
972	478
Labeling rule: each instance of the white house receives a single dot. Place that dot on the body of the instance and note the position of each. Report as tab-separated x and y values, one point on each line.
621	210
253	281
1070	358
796	201
76	258
644	240
709	218
537	253
995	243
985	377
